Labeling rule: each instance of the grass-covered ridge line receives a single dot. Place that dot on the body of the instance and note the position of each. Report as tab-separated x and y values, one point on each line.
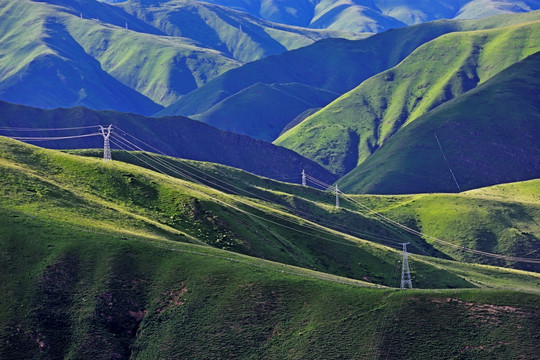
176	136
83	186
345	133
488	136
132	287
58	53
498	225
333	65
182	211
235	34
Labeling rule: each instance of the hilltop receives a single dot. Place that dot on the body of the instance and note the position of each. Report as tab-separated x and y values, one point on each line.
100	56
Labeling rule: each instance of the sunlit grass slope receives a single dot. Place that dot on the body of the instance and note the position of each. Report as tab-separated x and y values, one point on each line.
35	180
496	224
345	133
489	136
53	57
334	65
112	241
236	34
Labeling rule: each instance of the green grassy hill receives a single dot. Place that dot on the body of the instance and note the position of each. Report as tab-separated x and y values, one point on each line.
43	65
337	15
334	65
373	16
488	136
79	192
59	53
263	110
413	12
176	136
63	60
126	249
345	133
501	219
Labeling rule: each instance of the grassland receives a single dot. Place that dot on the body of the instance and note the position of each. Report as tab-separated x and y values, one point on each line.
333	65
69	53
127	250
345	133
487	136
263	110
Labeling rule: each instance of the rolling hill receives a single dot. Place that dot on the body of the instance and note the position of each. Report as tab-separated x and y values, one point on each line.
345	133
113	241
334	65
488	136
175	136
500	219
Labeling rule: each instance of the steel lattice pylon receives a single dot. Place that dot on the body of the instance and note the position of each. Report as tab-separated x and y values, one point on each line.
405	270
106	145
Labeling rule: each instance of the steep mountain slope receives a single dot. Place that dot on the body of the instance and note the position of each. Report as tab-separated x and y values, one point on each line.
68	61
43	65
238	35
489	135
357	16
176	136
414	12
345	133
334	65
92	54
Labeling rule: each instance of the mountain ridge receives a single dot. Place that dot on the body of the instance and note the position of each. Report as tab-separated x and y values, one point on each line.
176	136
378	108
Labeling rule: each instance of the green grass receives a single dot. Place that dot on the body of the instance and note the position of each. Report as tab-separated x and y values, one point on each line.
498	225
64	60
127	250
486	135
41	58
141	299
253	111
345	133
240	37
335	65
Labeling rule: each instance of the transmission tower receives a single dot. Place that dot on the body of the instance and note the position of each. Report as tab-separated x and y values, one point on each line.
303	177
405	271
337	197
106	146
